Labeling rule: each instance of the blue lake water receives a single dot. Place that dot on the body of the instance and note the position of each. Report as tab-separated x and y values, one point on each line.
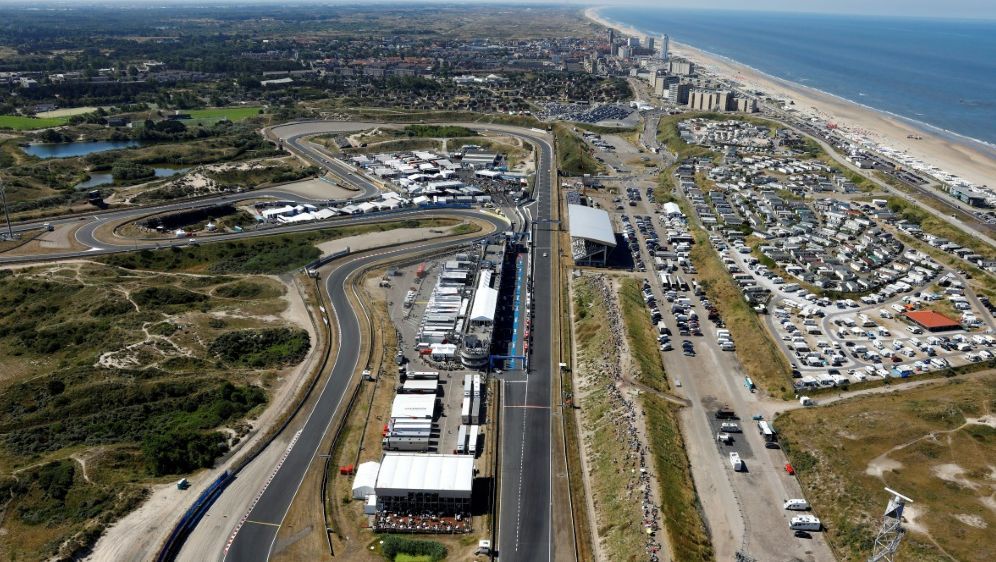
98	179
939	72
71	149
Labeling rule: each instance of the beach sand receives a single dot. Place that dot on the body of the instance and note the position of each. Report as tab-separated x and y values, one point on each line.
975	163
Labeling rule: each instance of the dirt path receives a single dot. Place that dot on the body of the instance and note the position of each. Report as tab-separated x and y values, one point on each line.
137	535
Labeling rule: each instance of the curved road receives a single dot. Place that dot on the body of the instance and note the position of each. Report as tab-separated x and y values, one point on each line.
526	496
525	530
255	539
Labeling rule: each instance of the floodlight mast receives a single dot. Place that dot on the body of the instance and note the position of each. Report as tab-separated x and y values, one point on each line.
891	532
6	214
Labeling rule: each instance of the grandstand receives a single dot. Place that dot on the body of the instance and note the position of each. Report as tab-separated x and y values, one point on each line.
592	237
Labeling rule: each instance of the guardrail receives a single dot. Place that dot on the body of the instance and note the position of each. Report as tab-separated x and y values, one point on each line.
312	267
193	516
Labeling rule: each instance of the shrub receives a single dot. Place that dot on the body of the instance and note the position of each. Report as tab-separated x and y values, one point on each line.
181	451
395	545
127	171
112	307
166	295
262	348
244	290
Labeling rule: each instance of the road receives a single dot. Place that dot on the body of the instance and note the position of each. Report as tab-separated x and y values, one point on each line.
527	452
255	539
525	531
731	501
529	523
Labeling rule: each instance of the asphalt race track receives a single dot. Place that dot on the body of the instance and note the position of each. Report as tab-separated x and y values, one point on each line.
525	502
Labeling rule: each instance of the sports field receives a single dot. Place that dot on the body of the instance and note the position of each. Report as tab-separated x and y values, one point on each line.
22	123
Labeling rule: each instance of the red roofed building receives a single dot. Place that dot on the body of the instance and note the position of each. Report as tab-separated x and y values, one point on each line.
932	321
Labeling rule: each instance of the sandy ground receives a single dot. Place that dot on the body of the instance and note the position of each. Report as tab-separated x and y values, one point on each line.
59	240
383	239
66	112
318	189
137	535
972	161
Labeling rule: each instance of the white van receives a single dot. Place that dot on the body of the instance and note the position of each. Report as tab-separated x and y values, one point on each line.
796	505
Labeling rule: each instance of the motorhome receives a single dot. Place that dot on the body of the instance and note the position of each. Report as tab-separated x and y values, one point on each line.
736	462
805	523
796	505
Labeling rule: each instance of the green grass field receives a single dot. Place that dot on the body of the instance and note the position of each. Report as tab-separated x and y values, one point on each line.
412	558
22	123
618	517
573	155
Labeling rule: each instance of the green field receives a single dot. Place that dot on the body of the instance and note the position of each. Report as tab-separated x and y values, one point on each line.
22	123
269	254
618	517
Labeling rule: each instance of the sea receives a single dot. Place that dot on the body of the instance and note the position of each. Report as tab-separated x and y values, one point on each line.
939	74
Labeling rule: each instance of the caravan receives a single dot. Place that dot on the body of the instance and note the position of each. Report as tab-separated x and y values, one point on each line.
805	523
796	505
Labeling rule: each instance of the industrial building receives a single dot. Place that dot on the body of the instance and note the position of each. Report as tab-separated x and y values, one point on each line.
592	236
475	347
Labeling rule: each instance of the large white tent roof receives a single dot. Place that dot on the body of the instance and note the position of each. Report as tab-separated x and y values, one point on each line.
485	304
413	406
591	224
365	480
446	475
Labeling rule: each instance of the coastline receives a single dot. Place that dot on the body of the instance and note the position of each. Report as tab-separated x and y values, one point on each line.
971	160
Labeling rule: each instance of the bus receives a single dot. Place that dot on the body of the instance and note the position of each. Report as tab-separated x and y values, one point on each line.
766	431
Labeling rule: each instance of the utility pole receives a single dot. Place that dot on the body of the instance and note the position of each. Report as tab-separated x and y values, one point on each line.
6	214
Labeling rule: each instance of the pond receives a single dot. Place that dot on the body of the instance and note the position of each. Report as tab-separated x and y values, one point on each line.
70	149
98	179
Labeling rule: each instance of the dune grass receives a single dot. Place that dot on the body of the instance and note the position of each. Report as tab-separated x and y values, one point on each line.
757	351
926	442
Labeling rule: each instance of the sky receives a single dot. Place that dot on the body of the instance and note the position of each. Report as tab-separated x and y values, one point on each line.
985	9
909	8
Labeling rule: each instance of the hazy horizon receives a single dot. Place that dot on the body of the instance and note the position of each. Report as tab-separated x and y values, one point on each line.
960	9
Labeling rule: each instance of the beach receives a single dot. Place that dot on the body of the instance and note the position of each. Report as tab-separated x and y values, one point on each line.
967	160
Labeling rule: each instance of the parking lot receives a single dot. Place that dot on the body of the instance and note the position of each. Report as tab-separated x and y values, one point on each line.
839	342
701	366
